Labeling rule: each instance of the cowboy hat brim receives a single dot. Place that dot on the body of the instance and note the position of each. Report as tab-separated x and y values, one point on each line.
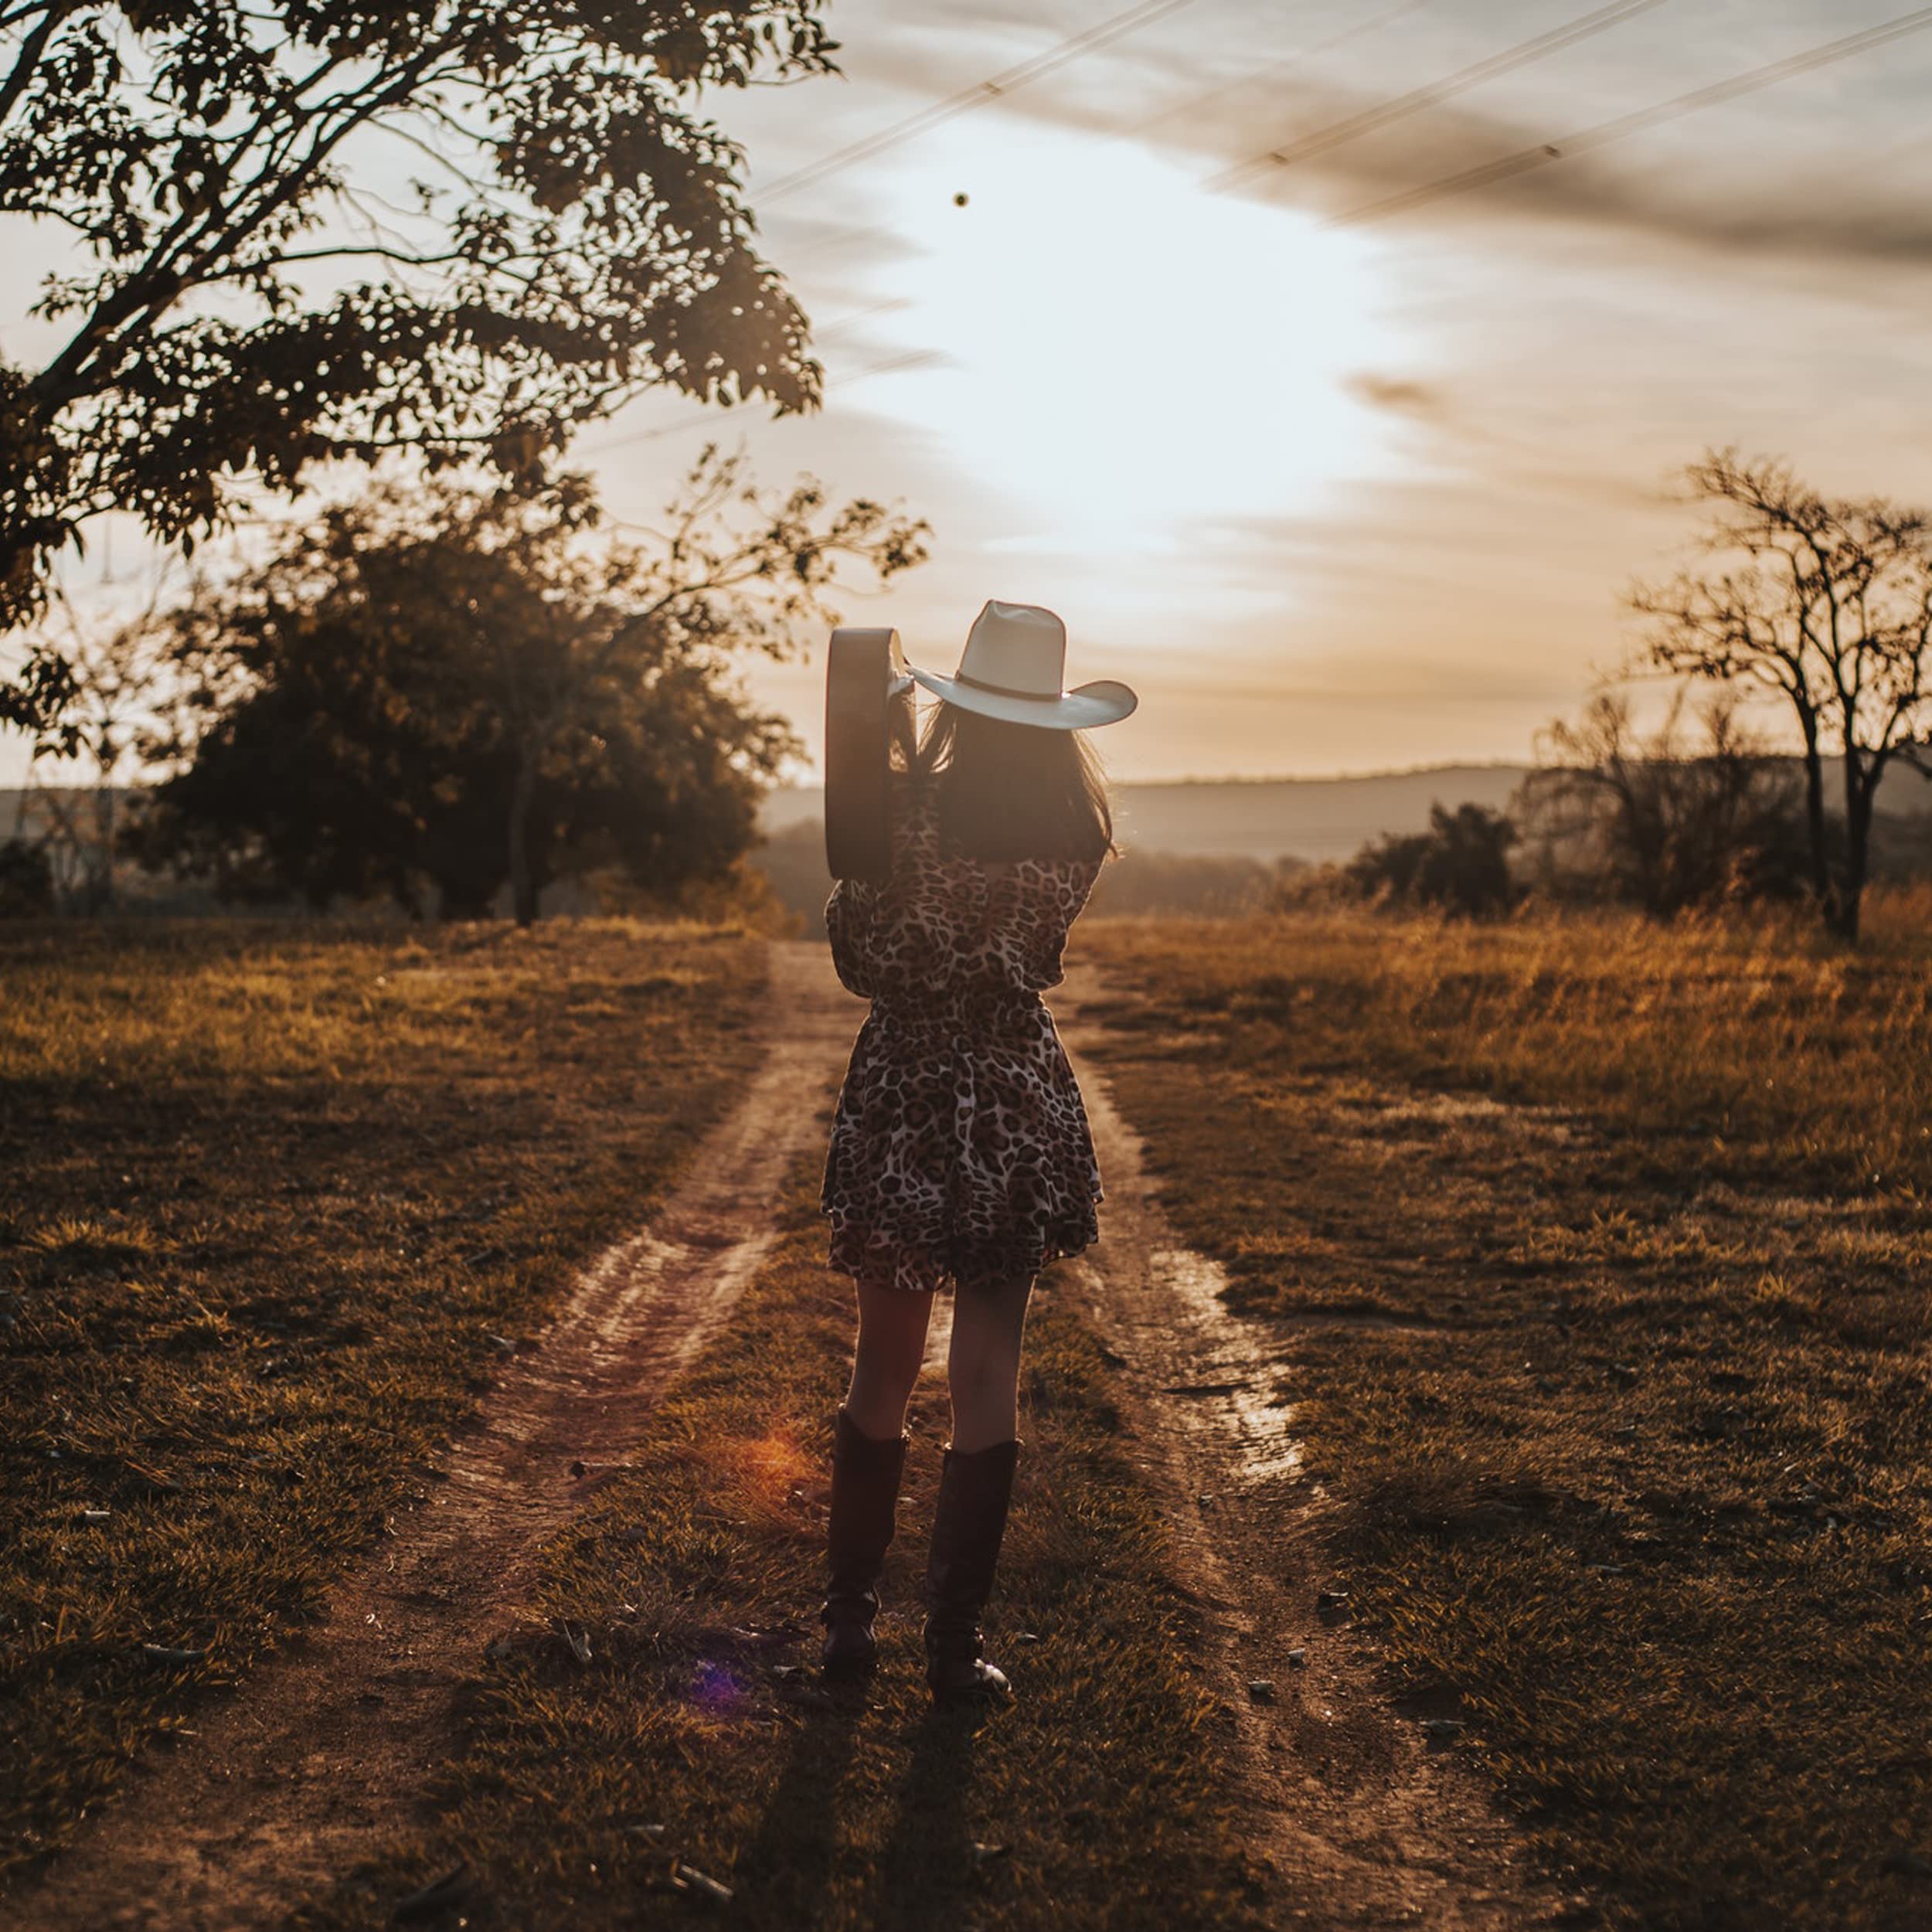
1104	702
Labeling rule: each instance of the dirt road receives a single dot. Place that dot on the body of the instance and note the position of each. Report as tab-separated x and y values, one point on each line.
1366	1825
287	1785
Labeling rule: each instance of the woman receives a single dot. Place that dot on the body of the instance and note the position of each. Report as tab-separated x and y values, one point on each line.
960	1157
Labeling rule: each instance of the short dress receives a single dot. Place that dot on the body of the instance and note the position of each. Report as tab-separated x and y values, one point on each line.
960	1151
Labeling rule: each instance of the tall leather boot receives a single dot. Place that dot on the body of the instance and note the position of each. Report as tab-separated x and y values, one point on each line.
865	1488
974	1489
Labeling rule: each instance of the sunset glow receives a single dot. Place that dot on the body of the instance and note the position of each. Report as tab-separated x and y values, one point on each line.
1094	292
1123	352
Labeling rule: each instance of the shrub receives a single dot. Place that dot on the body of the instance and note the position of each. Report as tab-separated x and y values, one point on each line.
1461	864
26	880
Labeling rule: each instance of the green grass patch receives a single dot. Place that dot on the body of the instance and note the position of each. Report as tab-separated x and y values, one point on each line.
697	1733
1632	1471
278	1198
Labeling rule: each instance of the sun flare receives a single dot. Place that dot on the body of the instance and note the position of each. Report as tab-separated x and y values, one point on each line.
1126	352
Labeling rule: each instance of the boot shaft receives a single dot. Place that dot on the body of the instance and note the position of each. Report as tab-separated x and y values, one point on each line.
975	1492
866	1474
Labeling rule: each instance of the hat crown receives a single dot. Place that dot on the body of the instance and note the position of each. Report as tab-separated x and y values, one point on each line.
1016	648
1014	668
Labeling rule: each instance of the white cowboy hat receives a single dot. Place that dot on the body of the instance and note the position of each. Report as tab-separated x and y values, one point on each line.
1012	668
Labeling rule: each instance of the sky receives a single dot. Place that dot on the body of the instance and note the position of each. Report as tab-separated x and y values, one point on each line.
1341	477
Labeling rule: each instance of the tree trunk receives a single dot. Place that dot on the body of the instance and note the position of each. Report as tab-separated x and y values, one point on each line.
1814	818
1859	791
100	890
523	885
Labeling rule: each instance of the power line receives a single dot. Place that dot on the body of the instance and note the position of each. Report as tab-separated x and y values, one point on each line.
1604	132
980	94
1374	24
1368	120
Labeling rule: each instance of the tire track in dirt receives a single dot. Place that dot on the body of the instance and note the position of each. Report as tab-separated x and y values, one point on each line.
1364	1825
329	1743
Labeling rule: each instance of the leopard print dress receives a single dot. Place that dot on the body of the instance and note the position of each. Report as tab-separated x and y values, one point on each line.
960	1152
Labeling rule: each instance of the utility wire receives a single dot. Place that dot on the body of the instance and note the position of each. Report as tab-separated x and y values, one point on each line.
982	94
1374	23
1116	27
1605	132
1369	119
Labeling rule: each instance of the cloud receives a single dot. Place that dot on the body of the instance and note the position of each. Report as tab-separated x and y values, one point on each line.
1401	396
1785	173
1780	213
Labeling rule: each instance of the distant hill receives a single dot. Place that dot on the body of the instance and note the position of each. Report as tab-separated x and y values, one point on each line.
1261	818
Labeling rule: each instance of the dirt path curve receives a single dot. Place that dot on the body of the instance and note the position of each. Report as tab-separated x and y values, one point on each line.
290	1782
1366	1826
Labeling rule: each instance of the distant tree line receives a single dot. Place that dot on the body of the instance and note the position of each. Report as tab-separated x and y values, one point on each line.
1821	606
437	691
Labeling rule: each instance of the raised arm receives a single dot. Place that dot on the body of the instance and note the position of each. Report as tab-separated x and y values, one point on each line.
851	924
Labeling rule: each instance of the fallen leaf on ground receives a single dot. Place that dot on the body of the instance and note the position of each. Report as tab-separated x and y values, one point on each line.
171	1654
450	1889
687	1878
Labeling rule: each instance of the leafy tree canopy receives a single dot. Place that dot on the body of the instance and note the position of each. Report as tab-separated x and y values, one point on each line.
455	687
314	229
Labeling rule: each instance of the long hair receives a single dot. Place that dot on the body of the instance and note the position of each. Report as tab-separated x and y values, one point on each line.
1013	791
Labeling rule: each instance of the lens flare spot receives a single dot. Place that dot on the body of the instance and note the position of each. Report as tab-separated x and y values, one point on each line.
715	1688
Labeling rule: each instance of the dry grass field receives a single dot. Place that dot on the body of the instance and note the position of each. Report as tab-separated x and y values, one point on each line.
277	1199
1604	1251
1597	1256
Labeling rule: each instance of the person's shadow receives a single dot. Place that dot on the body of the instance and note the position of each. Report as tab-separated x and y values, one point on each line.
793	1847
927	1858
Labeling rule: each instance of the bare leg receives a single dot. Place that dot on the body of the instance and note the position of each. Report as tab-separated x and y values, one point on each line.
982	1368
885	1366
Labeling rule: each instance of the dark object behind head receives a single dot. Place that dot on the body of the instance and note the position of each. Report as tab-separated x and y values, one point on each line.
1013	791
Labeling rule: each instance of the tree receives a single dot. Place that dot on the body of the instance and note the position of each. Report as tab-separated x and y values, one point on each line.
457	687
1460	865
114	674
1658	821
246	309
1827	603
